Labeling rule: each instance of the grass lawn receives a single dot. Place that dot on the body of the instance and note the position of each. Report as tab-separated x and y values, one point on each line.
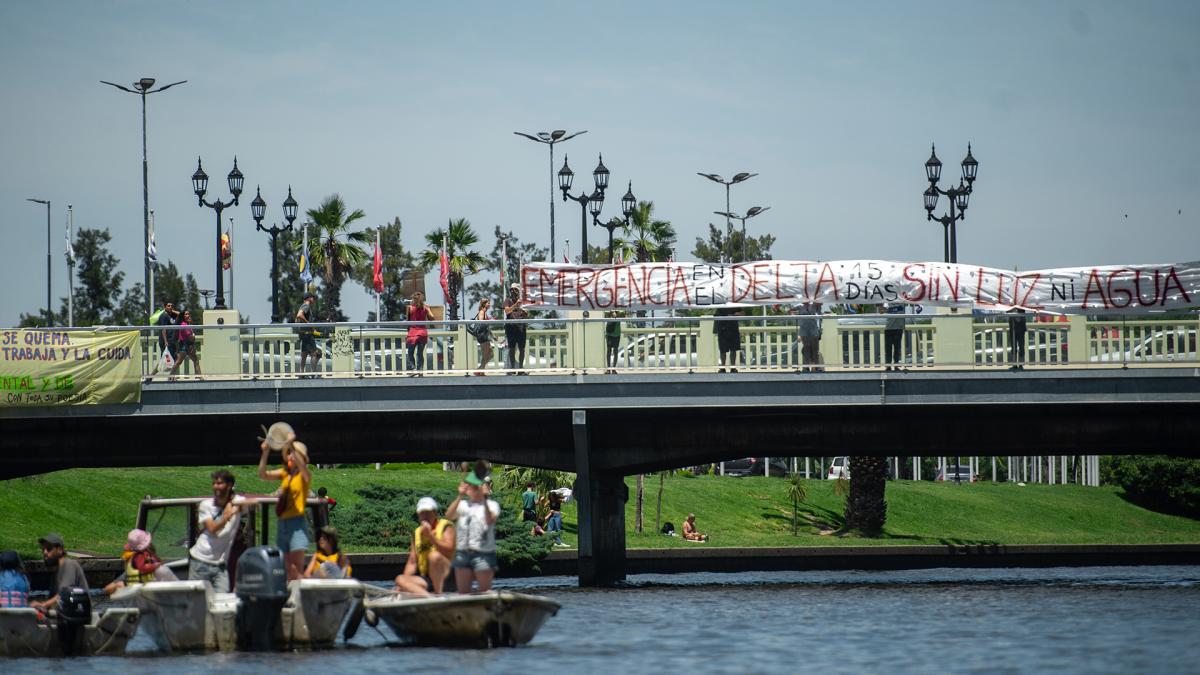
94	508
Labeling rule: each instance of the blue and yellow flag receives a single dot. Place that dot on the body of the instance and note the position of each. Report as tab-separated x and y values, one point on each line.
305	274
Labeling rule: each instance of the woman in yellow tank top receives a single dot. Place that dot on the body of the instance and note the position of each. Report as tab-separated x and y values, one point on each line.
432	550
291	534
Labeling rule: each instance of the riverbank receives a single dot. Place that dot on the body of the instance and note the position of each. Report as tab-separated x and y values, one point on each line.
94	508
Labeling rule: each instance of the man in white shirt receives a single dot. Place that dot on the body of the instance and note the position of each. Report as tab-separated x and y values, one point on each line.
474	519
218	518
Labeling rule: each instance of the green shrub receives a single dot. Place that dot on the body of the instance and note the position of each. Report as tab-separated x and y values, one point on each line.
1158	482
386	517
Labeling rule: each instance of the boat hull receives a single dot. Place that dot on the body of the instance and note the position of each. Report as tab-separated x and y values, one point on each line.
481	620
22	634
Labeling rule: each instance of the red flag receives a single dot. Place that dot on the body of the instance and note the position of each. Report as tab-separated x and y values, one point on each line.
377	268
226	251
444	274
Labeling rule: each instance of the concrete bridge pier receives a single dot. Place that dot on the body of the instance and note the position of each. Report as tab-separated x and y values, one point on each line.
600	498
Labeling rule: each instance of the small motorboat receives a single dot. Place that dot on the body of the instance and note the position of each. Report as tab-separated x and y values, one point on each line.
183	616
75	630
478	620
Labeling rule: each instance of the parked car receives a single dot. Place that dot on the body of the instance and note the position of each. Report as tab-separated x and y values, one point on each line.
659	350
955	473
1162	346
753	466
839	468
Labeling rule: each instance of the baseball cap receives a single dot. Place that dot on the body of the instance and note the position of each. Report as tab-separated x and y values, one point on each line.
52	539
472	479
426	504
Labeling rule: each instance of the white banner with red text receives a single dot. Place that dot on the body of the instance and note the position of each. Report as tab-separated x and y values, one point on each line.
1128	289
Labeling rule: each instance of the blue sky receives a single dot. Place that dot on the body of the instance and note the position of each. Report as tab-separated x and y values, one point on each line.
1083	116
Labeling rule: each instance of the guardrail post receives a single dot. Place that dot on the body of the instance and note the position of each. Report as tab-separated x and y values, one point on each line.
831	342
706	344
222	351
1079	347
593	342
953	340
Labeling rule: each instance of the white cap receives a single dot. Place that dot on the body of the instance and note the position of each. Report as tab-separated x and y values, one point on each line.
426	504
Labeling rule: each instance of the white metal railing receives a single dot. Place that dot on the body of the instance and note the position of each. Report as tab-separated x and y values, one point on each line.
649	344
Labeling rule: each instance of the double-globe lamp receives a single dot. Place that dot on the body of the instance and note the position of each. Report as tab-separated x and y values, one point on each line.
958	197
200	187
595	200
258	209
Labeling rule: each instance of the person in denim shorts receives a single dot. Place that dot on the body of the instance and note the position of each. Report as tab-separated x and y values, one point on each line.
474	517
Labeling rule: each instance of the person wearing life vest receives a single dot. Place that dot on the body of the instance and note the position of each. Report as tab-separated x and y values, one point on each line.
141	561
433	547
328	562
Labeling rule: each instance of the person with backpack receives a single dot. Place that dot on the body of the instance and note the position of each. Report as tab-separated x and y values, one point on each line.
308	336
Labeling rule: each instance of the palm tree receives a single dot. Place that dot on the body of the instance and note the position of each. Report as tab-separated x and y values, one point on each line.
335	250
866	509
796	493
649	240
459	238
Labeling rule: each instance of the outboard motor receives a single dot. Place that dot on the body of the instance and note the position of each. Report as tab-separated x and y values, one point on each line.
262	589
74	612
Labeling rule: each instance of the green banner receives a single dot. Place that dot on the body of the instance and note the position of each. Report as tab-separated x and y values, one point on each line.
60	367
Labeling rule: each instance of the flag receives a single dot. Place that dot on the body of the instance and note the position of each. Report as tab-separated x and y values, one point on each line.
377	266
70	250
152	250
226	250
305	273
567	251
619	258
444	271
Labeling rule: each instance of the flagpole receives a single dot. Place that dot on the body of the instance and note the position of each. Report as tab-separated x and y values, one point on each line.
70	269
503	267
153	266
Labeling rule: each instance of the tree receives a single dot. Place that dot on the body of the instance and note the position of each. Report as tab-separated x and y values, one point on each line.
335	250
518	254
719	247
646	239
396	261
169	285
98	283
866	508
459	238
797	494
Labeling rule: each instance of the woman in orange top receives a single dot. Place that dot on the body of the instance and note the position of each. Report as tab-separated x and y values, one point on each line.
291	534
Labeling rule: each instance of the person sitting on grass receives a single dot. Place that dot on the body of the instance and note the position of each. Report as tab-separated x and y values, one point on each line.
433	546
689	529
328	562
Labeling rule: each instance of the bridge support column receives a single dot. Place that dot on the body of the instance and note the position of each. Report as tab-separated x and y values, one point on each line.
600	501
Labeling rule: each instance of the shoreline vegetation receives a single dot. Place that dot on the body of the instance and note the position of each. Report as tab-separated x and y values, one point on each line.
95	508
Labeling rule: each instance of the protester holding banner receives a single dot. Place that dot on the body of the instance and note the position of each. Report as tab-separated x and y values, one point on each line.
893	336
810	335
612	339
1016	337
729	338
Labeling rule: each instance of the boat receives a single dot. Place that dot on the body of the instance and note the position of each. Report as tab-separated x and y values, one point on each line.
477	620
187	616
23	632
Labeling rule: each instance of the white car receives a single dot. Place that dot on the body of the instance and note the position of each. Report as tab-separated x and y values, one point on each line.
1162	346
839	468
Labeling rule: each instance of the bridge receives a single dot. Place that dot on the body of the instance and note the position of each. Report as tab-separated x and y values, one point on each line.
604	425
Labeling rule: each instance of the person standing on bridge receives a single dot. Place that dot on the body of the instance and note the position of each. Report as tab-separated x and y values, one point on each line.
893	335
308	336
515	333
810	335
417	336
482	333
1016	338
729	338
291	534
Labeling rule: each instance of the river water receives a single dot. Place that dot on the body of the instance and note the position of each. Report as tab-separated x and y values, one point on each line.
1063	620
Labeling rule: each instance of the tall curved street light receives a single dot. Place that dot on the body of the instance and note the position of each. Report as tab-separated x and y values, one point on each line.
754	211
143	87
736	179
49	311
957	196
594	201
200	186
258	209
550	138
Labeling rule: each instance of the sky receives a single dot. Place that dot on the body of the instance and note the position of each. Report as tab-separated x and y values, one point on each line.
1082	115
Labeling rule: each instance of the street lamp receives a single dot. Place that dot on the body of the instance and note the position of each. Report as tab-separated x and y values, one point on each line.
754	211
49	312
595	200
736	179
258	209
142	87
550	138
957	196
628	202
200	186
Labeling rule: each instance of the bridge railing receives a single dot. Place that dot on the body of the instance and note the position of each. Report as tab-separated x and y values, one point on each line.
658	344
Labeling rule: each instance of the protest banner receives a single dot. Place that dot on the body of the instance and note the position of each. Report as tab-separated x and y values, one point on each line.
1120	289
47	367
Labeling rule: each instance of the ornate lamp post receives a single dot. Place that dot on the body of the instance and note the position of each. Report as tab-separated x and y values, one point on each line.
754	211
49	311
596	199
550	138
957	196
258	209
736	179
142	87
200	186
